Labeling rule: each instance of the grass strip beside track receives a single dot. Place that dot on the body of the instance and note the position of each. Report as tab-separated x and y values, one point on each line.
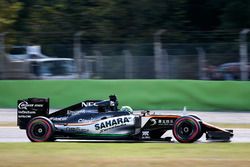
8	124
140	94
228	125
124	154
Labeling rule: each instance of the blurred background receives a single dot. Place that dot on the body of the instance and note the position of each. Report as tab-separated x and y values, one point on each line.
120	39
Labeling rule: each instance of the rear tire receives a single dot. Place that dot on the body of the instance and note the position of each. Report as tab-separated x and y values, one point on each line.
40	129
187	129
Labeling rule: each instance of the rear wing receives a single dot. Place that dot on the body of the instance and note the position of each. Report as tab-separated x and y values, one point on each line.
30	108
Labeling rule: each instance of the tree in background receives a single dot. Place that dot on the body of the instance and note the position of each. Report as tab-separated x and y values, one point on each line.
116	21
8	14
103	20
138	20
236	15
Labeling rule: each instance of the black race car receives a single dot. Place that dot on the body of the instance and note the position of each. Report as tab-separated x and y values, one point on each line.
101	119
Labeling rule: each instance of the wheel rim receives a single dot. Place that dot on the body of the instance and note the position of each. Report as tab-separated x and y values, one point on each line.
39	130
186	129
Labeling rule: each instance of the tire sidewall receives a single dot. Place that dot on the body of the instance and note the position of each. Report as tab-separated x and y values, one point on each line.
196	129
201	125
42	121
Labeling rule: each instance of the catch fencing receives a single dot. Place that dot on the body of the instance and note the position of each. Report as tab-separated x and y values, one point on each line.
156	60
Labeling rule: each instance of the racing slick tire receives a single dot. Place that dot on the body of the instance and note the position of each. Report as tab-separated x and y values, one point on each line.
202	129
40	129
187	129
195	116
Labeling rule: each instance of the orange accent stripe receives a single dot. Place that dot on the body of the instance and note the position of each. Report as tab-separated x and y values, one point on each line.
212	126
79	124
163	116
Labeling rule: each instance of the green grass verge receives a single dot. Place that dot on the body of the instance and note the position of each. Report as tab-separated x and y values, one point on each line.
123	154
140	94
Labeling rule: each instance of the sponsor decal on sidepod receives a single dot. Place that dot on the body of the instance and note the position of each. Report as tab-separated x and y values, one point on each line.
112	123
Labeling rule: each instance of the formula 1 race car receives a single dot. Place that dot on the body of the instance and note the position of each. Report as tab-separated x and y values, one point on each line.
102	120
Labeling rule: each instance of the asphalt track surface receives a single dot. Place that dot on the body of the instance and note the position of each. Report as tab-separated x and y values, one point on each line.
14	134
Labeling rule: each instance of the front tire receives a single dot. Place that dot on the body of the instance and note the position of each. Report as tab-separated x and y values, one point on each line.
187	129
202	128
40	129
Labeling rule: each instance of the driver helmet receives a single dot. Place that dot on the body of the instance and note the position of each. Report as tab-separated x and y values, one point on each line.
126	109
